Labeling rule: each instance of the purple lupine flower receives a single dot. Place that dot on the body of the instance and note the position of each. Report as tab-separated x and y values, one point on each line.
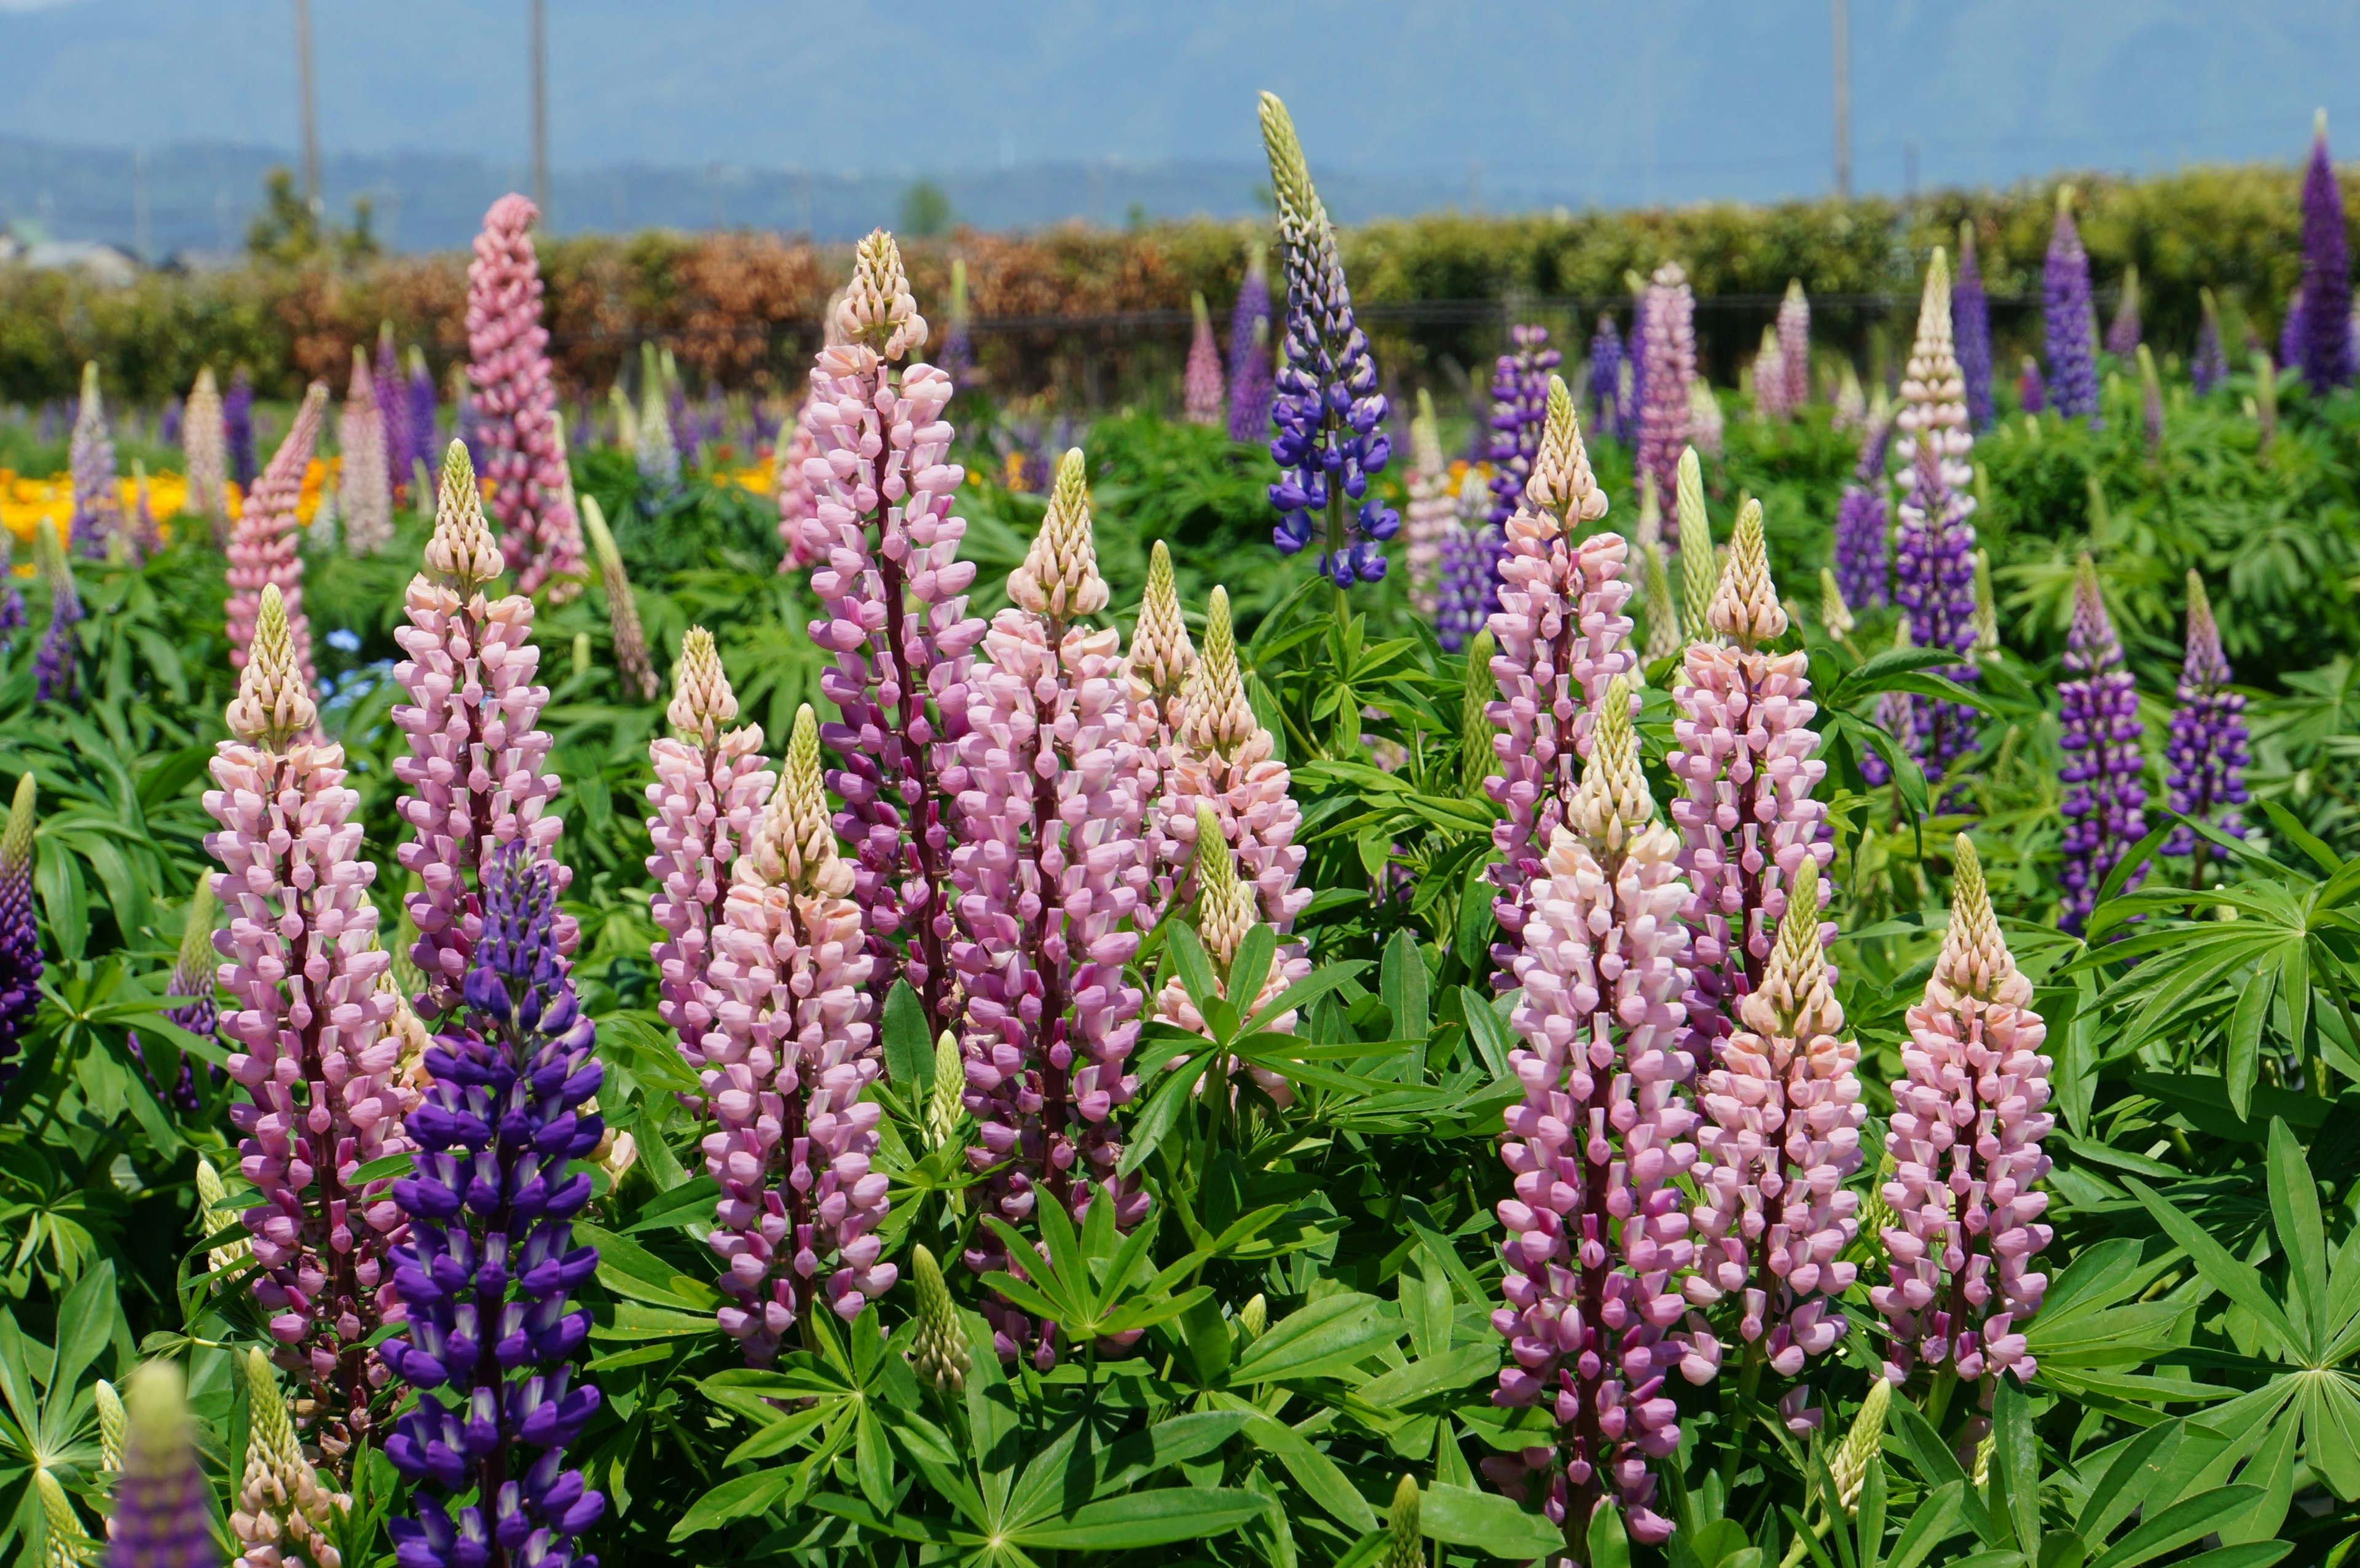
2207	749
2032	391
2323	341
1864	523
1971	322
401	446
1469	570
1606	378
1202	394
491	1205
12	600
1519	407
2210	366
1329	415
2098	711
237	425
1249	375
2122	334
167	422
423	436
2290	332
20	929
163	1517
97	506
1934	568
2067	320
54	666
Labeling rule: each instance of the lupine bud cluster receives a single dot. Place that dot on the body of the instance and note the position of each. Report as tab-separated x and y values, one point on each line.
1971	320
1329	415
893	595
1157	676
1222	757
308	1020
1598	1232
262	540
1862	522
1968	1118
1201	395
1433	514
2324	349
2067	322
283	1513
2207	749
368	475
20	929
516	403
1250	370
2098	711
1228	910
89	457
797	501
1666	351
205	444
940	1356
489	1264
1934	573
1520	383
624	634
162	1513
1607	365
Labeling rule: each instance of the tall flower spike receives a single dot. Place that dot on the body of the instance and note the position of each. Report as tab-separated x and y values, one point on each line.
1520	384
491	1196
205	444
1606	368
2324	352
1700	568
1250	368
214	1215
57	665
1597	1235
1467	565
111	1422
2068	324
162	1503
1476	758
940	1356
711	780
1200	384
654	452
2207	750
624	634
262	541
402	445
1221	756
1934	573
1971	319
893	612
2122	338
283	1513
68	1545
2104	800
20	931
97	503
2209	367
1967	1117
308	1026
1161	658
1770	378
515	404
1862	522
1432	515
1667	358
1794	346
367	479
2150	401
471	781
1404	1541
786	1067
1664	637
237	426
1329	415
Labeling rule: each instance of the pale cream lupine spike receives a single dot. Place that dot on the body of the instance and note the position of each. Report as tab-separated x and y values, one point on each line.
1985	619
794	846
1161	653
1934	308
1425	436
70	1545
111	1423
1699	569
1612	801
1848	1465
877	309
214	1217
1664	637
945	1105
1060	576
1834	614
461	552
1794	989
1561	486
1215	711
272	1430
1226	906
1290	176
1745	607
273	703
940	1355
1648	533
702	700
1975	961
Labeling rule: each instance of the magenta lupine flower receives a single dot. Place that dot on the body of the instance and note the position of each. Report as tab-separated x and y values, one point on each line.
2104	801
1770	379
515	406
790	1053
366	481
2066	317
97	506
1053	860
471	781
1598	1232
1742	747
1863	525
1201	394
1519	407
1560	637
893	595
1432	515
1934	567
262	540
2323	345
1668	352
1968	1118
1795	346
310	1027
1251	385
2207	749
20	929
710	783
1971	319
205	442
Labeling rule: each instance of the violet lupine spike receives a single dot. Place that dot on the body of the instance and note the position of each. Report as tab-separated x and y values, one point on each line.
2068	323
2207	750
1467	566
785	1067
205	443
1250	368
2122	334
237	428
514	403
1597	1224
401	447
893	593
711	780
20	929
1222	757
97	504
1519	407
489	1265
2324	348
1606	361
1782	1114
2032	391
423	416
367	476
1328	413
1432	513
57	666
2209	368
1054	858
1743	748
1631	391
1667	353
163	1514
1934	569
2104	801
1202	396
1795	346
1967	1117
471	781
262	541
1971	320
1562	636
1863	525
309	1024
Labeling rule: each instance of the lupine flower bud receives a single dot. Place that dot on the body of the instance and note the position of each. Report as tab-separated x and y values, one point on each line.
1848	1465
1200	383
111	1421
368	478
623	631
1432	515
214	1215
205	442
1405	1542
1476	758
2207	750
20	931
1253	1317
1834	614
162	1516
262	541
2122	332
2068	323
946	1102
1226	912
2209	367
2150	401
1700	568
69	1544
1161	658
2104	800
940	1356
283	1514
1667	358
1222	756
1664	636
654	452
1934	571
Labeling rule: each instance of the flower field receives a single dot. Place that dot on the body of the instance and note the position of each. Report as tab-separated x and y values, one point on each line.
1724	975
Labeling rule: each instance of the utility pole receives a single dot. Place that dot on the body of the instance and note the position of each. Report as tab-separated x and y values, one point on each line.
139	235
1841	27
311	114
541	107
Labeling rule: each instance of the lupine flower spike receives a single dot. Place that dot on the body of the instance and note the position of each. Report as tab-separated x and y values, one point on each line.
1835	616
2210	366
2324	348
112	1422
1597	1224
2032	391
2104	801
1968	1118
624	634
2207	750
402	447
20	932
940	1356
2123	337
1476	691
308	1022
1986	617
97	504
1667	354
1519	407
162	1516
1971	319
205	445
262	541
1329	415
1606	367
284	1513
655	452
1795	346
237	426
1250	368
2150	401
515	404
368	478
1934	573
1700	565
1404	1541
1665	638
1770	379
1433	514
1201	393
1162	659
68	1545
2068	325
57	664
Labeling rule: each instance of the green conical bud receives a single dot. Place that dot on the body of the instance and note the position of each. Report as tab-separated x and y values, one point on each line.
70	1546
1253	1317
944	1103
17	839
1700	568
940	1356
1849	1463
1985	619
1406	1543
1834	614
1664	637
1477	761
110	1426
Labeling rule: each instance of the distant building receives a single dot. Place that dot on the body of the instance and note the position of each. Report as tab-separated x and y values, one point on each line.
102	264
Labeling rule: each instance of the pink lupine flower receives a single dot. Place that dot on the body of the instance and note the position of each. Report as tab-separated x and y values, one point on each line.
1667	349
1968	1118
1782	1116
790	1053
1051	865
516	404
1432	515
473	777
1561	638
797	505
1597	1230
1743	746
366	480
1795	346
204	440
709	787
1201	394
308	1022
892	593
262	540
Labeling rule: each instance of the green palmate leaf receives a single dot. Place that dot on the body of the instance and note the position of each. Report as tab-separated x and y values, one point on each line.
734	1500
1145	1518
1195	969
1328	1336
1250	970
2243	1065
2240	1282
2294	1209
1456	1516
1402	985
2178	1525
